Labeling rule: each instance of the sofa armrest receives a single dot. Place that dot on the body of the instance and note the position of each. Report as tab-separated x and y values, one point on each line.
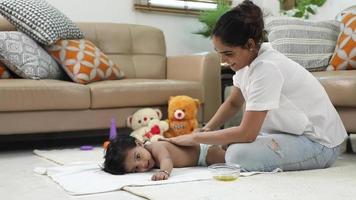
204	68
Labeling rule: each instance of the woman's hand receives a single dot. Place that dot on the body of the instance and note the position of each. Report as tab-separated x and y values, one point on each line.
183	140
203	129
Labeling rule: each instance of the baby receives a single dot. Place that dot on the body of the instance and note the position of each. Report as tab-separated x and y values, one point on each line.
125	154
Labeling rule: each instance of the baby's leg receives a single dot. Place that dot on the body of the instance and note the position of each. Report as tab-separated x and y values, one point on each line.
215	154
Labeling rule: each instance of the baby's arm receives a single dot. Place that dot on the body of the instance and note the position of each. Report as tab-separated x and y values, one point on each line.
162	156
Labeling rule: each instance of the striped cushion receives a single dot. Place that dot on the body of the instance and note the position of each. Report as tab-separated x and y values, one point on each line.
309	43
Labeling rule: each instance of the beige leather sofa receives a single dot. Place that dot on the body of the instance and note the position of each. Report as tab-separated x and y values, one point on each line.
341	88
48	106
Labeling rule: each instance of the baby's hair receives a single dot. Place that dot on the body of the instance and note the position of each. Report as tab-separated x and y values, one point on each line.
116	153
239	24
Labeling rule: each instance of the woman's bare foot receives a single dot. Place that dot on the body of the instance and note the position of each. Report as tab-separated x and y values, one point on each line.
216	154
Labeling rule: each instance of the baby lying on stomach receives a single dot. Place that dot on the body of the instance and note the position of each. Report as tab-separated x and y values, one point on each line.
125	154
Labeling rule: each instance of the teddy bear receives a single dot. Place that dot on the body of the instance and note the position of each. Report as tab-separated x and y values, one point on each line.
147	124
182	115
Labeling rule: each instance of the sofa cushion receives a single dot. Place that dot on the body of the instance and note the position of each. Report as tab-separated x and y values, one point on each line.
141	92
26	58
139	50
309	43
344	56
4	72
40	20
34	95
340	86
84	62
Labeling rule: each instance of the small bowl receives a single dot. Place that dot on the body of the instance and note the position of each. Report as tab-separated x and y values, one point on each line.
224	172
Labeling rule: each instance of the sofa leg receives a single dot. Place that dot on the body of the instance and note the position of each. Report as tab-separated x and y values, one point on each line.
349	145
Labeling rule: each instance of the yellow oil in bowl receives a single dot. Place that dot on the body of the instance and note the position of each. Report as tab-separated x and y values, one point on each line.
224	172
225	178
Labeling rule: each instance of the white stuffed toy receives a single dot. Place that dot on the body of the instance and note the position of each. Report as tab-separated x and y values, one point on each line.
147	124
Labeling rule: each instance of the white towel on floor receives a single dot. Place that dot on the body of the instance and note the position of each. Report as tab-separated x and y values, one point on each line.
70	156
80	179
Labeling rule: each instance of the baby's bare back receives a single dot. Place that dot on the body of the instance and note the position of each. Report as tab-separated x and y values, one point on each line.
182	156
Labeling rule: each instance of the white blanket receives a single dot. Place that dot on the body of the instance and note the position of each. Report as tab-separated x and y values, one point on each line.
80	179
70	156
337	182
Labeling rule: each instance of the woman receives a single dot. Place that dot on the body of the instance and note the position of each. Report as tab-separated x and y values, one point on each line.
289	121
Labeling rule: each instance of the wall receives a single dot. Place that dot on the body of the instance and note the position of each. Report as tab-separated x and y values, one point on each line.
331	8
328	11
95	10
177	29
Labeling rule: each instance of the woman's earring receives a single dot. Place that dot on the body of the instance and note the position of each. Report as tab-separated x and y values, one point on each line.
251	49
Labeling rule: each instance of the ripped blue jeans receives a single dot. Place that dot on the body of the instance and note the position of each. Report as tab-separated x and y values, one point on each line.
285	151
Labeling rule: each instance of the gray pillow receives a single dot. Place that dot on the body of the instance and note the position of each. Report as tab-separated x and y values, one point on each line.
4	72
26	58
309	43
39	20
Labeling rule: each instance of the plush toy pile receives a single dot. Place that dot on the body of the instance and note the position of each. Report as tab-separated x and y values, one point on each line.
147	125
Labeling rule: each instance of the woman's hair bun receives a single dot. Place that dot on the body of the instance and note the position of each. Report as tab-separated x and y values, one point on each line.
247	2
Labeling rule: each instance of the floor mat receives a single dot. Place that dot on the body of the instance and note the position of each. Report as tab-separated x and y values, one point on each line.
71	156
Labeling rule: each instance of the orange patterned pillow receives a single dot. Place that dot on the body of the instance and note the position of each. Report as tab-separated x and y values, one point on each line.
345	52
4	72
84	62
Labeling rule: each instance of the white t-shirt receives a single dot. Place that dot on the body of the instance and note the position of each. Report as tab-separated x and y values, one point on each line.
296	102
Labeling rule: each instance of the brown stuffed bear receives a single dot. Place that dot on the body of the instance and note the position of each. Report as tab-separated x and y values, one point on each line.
182	115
